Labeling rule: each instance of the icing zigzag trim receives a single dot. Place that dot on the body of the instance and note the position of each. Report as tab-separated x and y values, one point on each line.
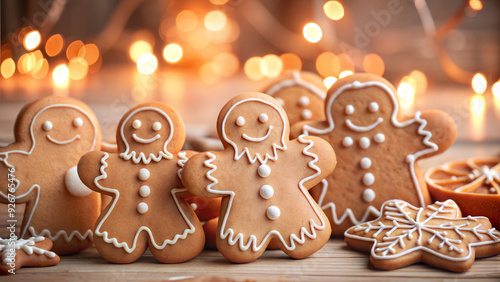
62	233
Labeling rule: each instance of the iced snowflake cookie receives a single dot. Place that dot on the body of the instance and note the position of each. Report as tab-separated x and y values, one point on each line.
32	252
377	149
148	208
263	178
436	235
474	184
51	135
301	94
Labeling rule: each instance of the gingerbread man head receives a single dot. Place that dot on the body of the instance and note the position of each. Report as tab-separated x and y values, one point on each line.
147	133
260	124
301	94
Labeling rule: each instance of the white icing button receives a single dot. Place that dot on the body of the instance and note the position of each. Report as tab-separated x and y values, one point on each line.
273	212
349	110
240	121
306	114
364	142
280	101
266	192
144	191
368	195
136	124
144	174
366	163
264	170
74	185
78	122
304	101
194	206
47	125
410	158
379	138
142	208
347	142
368	179
156	126
263	118
373	107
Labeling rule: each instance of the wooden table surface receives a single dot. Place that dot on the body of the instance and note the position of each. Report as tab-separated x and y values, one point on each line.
334	260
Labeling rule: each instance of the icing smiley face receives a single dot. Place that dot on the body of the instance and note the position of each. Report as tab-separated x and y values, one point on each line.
255	123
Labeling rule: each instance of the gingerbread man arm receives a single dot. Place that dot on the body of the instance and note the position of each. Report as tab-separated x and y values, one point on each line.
198	174
322	158
89	168
442	127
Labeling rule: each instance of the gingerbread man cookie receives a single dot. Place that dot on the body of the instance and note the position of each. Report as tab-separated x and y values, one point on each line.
51	135
377	149
34	251
301	94
263	178
436	235
148	206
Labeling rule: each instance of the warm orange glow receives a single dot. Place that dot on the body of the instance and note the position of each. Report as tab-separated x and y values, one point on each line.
78	68
60	74
54	45
90	53
496	89
172	53
96	66
291	61
420	81
334	10
327	64
215	20
210	73
373	63
8	68
479	83
271	65
138	49
477	109
198	39
36	61
228	63
147	63
73	49
476	5
186	20
406	91
219	2
6	51
25	63
32	40
312	32
329	81
43	70
252	68
345	73
345	63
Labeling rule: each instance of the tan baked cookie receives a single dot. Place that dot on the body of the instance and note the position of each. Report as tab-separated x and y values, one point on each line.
301	94
148	206
32	252
377	149
436	235
474	184
263	178
205	208
51	135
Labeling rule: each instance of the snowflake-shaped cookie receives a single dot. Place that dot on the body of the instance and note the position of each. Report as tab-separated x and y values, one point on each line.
436	235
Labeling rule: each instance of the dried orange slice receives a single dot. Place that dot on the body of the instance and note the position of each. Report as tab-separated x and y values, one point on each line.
474	184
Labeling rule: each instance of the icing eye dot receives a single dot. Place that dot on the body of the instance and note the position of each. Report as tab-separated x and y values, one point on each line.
136	124
77	122
263	118
304	101
47	125
373	107
240	121
156	126
280	101
349	110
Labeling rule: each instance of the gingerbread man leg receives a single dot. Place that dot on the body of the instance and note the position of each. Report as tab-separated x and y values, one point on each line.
119	255
229	251
176	253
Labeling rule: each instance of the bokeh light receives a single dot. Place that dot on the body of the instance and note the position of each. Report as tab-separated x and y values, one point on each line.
54	45
252	68
147	63
271	65
312	32
496	89
215	20
186	20
32	40
73	49
228	63
139	48
420	80
373	63
327	64
406	91
90	53
479	83
345	73
291	61
209	73
172	53
43	70
476	5
334	10
329	81
60	74
78	68
219	2
8	68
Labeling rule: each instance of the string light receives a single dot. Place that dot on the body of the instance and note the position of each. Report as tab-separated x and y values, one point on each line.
406	91
172	53
8	68
32	40
479	83
147	63
334	10
312	32
496	89
329	81
60	74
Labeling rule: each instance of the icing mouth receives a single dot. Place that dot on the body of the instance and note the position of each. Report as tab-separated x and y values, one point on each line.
145	141
62	142
258	139
363	128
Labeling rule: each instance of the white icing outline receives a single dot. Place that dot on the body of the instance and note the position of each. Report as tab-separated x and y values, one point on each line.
228	233
128	154
62	233
391	211
411	158
26	245
296	80
258	139
145	141
63	142
367	128
30	216
181	162
246	151
124	245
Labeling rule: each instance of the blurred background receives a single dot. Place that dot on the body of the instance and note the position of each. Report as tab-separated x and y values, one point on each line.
195	55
